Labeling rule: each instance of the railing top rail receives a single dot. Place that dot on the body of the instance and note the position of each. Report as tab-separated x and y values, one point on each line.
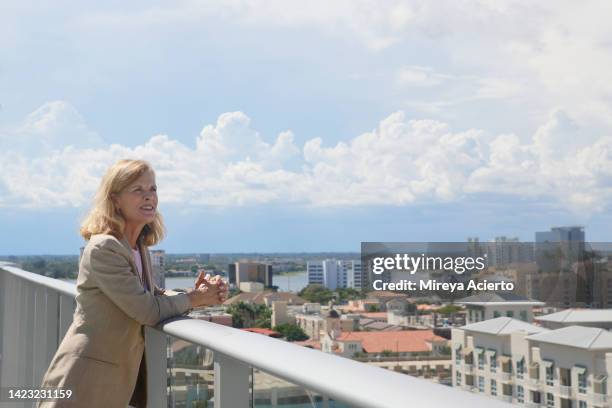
62	287
355	383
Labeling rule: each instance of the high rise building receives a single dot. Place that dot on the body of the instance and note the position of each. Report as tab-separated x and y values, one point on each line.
334	274
503	251
247	271
557	250
158	257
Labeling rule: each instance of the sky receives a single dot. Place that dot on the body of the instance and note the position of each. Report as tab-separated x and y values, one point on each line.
293	126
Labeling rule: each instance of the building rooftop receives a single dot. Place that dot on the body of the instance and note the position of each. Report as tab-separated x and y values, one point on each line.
259	298
385	294
381	326
589	338
503	326
498	298
408	341
265	332
578	316
374	315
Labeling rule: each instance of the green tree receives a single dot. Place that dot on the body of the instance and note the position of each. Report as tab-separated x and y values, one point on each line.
449	309
316	293
345	294
291	332
373	308
249	315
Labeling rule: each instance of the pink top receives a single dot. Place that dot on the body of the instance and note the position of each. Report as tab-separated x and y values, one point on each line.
138	260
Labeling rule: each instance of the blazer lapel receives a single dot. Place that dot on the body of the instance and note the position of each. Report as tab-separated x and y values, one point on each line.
146	266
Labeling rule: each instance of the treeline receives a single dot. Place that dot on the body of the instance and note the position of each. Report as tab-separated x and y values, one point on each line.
59	267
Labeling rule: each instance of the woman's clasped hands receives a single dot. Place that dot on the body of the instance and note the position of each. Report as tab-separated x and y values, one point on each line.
208	290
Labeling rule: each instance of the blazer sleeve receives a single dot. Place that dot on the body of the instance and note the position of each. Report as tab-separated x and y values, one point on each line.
112	272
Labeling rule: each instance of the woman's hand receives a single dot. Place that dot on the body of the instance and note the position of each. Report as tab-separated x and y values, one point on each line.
208	290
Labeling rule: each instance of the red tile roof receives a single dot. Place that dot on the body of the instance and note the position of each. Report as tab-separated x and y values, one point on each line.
316	344
407	341
266	332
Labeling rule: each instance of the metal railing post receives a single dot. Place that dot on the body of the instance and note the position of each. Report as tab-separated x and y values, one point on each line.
39	353
10	332
2	313
232	384
28	340
65	315
52	323
157	362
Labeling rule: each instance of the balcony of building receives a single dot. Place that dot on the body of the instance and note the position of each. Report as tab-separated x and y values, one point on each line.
192	362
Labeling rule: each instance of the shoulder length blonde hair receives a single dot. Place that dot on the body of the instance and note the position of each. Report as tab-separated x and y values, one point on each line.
103	218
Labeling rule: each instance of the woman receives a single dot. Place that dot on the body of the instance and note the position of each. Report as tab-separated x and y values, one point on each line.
101	358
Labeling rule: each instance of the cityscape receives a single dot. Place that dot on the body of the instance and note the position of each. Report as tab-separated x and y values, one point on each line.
408	203
545	343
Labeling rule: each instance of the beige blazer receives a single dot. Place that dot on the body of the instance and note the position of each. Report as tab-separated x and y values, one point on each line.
101	358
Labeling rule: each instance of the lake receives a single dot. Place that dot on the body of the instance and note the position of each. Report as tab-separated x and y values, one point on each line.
290	282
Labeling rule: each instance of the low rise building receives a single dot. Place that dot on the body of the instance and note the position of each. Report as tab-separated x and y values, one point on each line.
601	318
405	343
533	366
489	305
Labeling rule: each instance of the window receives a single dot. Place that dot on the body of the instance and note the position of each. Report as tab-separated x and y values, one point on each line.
481	383
493	362
458	355
550	400
536	397
582	380
458	379
481	360
520	393
582	404
510	313
496	314
493	387
524	315
550	374
520	368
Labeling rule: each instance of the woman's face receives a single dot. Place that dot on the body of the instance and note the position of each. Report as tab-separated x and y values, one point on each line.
138	201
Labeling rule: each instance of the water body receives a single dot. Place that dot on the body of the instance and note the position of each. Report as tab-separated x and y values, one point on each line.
291	282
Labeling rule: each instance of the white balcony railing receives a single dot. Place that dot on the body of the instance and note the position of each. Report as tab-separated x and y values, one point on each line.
534	382
507	398
531	404
600	399
36	311
565	390
505	377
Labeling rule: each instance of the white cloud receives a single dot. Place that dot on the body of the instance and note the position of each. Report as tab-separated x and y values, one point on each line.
54	125
400	162
420	76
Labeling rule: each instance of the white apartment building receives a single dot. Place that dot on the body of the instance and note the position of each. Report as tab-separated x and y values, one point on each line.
503	251
354	275
489	305
335	274
533	366
158	257
601	318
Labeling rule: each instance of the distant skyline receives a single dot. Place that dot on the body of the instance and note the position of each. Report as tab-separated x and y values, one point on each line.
276	128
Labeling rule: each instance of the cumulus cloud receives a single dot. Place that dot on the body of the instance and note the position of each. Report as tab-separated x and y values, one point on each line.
401	161
54	125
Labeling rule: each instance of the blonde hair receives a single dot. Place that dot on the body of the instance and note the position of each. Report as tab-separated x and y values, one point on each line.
103	218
